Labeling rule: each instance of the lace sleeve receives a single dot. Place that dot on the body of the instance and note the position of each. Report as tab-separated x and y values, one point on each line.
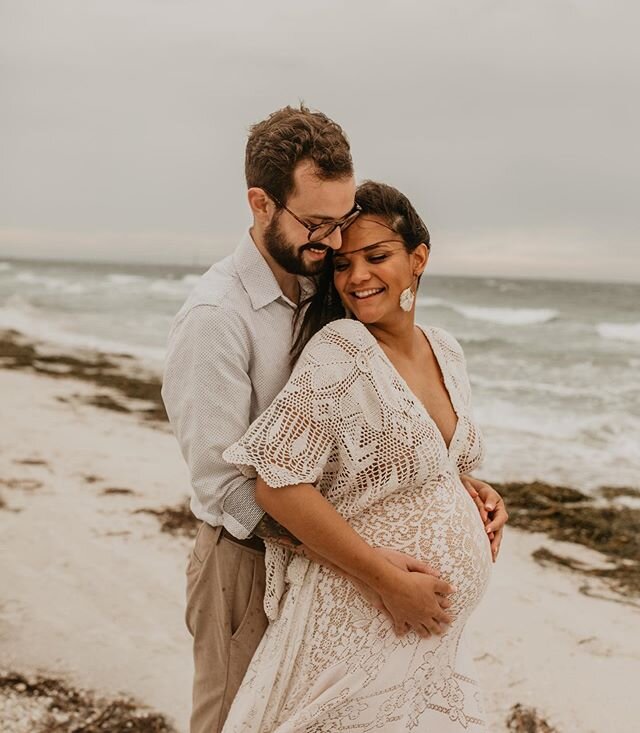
291	441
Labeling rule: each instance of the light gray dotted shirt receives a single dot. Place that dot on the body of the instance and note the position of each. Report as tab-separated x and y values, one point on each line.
227	359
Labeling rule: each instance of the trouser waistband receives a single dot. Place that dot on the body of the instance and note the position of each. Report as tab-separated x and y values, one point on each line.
255	543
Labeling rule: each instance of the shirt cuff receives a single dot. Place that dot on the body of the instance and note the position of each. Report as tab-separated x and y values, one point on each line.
241	512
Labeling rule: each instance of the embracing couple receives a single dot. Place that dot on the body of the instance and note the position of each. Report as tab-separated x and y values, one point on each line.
330	439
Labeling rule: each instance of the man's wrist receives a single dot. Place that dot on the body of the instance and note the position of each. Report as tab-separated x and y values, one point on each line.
268	529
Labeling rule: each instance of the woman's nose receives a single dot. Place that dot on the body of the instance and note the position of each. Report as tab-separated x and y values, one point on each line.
359	270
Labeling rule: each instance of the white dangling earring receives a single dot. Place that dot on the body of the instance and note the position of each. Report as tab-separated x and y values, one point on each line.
407	296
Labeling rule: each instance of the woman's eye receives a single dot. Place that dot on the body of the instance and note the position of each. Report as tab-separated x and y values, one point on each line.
340	266
377	258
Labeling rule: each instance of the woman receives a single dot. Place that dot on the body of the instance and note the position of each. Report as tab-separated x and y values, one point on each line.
374	425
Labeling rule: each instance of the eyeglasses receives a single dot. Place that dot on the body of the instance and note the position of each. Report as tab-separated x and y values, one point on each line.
318	232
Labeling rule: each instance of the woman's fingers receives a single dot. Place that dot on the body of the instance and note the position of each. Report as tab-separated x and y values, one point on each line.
476	498
484	514
496	542
435	626
418	566
490	497
469	487
499	518
441	586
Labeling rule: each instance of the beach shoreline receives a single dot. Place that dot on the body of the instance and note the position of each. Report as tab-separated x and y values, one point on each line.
94	590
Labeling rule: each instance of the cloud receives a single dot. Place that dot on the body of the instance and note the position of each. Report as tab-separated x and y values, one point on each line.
503	121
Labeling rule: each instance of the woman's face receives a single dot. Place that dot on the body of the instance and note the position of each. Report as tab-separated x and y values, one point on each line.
373	267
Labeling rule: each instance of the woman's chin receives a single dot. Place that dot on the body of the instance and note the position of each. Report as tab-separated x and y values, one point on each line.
366	314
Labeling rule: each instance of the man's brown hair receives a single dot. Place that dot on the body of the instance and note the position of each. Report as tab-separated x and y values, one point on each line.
287	137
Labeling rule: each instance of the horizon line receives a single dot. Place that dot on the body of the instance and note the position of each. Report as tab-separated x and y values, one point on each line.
197	264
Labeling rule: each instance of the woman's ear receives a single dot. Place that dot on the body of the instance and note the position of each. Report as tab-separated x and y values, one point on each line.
420	258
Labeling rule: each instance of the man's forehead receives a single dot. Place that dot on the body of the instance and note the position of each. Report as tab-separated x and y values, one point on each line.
320	196
305	177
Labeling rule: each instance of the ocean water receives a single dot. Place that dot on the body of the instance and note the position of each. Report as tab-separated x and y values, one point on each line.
554	366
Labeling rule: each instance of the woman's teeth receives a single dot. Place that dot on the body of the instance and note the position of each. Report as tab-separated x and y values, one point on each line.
367	293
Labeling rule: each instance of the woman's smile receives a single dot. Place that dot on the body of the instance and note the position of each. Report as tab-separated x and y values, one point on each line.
369	293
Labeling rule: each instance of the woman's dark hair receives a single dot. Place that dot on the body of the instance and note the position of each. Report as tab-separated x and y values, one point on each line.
324	306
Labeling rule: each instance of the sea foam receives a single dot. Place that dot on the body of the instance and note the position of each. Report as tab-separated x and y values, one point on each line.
53	284
32	322
508	316
503	316
619	331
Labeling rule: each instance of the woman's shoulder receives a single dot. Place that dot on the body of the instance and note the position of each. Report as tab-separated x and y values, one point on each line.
339	342
343	332
447	341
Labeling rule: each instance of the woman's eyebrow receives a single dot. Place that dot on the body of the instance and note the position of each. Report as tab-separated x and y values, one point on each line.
368	247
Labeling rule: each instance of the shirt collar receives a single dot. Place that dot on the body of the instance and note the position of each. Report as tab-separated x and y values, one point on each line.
255	274
257	277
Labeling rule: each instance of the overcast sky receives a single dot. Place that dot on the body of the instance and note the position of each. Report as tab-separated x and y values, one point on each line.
512	126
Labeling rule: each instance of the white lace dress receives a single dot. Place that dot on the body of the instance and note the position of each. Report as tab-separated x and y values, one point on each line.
328	662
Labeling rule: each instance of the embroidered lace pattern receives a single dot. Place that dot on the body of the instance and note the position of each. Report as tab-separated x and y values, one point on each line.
347	422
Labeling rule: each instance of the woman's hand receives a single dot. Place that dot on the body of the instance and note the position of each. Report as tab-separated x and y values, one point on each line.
416	600
492	510
411	598
406	562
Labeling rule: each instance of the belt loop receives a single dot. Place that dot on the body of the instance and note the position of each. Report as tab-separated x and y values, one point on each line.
218	533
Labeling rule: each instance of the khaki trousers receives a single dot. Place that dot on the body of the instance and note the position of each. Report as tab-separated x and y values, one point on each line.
225	616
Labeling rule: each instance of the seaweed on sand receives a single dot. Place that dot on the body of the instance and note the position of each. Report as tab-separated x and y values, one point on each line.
527	720
69	710
17	353
568	515
177	520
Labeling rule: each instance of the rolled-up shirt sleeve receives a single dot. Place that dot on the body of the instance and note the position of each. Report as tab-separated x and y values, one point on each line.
207	392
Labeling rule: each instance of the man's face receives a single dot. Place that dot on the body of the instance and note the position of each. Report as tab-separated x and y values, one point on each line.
314	201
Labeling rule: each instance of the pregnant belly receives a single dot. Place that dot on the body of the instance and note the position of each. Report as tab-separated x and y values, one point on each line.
440	524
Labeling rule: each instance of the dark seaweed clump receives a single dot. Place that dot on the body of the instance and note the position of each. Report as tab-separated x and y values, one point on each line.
17	353
69	710
527	720
571	516
178	520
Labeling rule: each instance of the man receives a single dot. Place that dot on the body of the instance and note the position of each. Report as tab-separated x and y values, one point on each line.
228	357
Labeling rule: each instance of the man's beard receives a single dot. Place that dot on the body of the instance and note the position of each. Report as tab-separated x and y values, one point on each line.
286	255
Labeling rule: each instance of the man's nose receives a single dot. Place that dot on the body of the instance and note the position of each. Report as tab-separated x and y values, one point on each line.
334	240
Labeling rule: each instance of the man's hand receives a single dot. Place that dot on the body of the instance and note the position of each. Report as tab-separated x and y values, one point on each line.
492	510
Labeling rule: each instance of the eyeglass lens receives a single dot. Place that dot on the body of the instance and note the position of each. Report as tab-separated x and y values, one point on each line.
323	231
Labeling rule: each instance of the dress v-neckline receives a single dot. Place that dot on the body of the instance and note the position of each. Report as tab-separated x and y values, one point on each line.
415	399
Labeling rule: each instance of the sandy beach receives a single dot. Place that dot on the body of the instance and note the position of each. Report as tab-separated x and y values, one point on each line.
92	587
